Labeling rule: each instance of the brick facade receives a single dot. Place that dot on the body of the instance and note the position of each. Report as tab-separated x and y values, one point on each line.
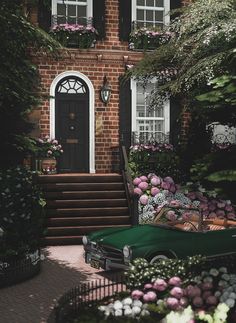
109	57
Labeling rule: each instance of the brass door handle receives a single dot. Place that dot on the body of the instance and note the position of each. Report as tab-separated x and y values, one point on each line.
72	141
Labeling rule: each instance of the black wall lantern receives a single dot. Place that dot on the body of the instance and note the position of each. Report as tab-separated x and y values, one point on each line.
105	91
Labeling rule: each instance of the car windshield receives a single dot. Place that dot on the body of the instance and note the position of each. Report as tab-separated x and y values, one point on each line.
189	220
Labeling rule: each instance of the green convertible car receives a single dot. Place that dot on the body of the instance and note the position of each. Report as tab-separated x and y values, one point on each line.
114	248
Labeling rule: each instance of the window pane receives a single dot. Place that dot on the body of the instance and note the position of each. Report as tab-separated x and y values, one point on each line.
140	111
159	112
82	11
61	9
159	3
150	3
140	99
71	20
140	14
71	11
140	3
159	16
149	15
61	20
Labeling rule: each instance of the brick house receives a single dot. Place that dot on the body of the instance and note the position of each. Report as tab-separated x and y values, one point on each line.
73	112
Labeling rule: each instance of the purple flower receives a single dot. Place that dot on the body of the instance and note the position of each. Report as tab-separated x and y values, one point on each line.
169	180
220	213
143	186
176	292
220	205
183	302
197	301
170	215
192	291
150	297
155	181
212	300
165	185
138	191
143	178
175	281
175	203
231	215
154	191
137	181
160	285
143	199
148	286
172	303
137	294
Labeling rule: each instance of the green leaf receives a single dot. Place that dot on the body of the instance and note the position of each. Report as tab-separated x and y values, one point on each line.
224	175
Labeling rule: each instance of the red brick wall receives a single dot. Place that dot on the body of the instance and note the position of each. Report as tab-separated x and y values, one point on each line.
108	58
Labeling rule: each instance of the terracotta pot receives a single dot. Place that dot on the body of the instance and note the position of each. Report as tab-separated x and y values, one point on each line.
49	165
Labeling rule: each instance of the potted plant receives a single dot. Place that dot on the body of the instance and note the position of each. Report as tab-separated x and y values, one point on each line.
144	38
47	150
74	35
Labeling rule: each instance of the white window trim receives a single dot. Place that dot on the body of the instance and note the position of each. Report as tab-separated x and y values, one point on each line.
166	11
56	80
71	2
166	107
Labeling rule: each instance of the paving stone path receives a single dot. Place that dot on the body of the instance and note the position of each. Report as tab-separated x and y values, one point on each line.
32	301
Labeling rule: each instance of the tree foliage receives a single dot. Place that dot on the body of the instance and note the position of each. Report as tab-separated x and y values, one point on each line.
19	82
204	37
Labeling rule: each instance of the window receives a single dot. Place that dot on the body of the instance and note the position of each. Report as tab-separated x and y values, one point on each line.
150	13
71	11
148	124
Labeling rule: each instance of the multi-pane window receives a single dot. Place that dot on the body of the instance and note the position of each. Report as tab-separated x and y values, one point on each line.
148	123
150	13
71	11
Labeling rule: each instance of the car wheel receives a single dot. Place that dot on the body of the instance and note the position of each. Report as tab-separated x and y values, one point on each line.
157	258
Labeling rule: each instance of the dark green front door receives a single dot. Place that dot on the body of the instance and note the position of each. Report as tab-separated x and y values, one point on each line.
72	131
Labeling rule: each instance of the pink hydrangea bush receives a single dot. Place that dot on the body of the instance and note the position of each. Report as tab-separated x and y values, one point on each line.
156	192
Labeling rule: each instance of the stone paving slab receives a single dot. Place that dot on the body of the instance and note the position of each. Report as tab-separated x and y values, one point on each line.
32	300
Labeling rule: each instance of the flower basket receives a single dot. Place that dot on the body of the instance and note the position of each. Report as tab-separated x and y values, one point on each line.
148	39
77	36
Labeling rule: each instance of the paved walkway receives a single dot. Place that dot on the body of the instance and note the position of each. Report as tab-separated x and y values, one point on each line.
31	301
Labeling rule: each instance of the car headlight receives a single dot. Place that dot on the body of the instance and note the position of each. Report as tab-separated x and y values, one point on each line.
127	252
85	240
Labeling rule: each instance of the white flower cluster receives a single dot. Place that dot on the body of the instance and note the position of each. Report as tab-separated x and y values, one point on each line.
185	316
125	307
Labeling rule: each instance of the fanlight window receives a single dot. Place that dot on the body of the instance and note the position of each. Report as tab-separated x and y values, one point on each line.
71	86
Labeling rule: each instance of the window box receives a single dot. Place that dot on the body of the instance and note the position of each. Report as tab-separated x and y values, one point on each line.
148	39
74	35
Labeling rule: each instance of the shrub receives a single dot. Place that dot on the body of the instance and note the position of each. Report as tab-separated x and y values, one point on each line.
21	217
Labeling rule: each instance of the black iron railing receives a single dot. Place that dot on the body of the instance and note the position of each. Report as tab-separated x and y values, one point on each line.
15	269
70	305
62	19
132	197
149	138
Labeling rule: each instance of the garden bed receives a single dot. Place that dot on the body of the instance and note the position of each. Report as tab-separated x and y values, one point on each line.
15	269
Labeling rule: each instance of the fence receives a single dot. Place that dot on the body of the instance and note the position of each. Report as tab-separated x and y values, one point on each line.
91	293
14	270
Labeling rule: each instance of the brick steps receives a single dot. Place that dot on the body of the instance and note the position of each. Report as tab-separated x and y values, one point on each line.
81	203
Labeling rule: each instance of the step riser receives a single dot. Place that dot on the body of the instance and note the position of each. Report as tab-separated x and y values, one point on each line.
69	231
85	195
78	204
86	203
87	212
103	178
87	221
55	187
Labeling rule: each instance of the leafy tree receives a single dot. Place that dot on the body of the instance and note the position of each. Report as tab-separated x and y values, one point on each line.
19	82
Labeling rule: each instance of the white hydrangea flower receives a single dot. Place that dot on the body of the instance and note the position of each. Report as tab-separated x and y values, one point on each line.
144	313
136	310
230	302
214	272
223	270
208	279
128	312
137	302
117	305
225	277
127	301
118	312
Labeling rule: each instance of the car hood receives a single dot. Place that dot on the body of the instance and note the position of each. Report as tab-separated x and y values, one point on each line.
119	237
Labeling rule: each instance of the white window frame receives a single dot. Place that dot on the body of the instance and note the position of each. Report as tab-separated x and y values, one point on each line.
166	110
89	4
166	10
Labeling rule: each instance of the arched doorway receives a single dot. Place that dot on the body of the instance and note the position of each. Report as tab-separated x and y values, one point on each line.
72	124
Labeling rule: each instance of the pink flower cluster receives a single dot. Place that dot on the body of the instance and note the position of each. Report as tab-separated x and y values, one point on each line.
213	208
176	296
73	28
152	185
152	147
